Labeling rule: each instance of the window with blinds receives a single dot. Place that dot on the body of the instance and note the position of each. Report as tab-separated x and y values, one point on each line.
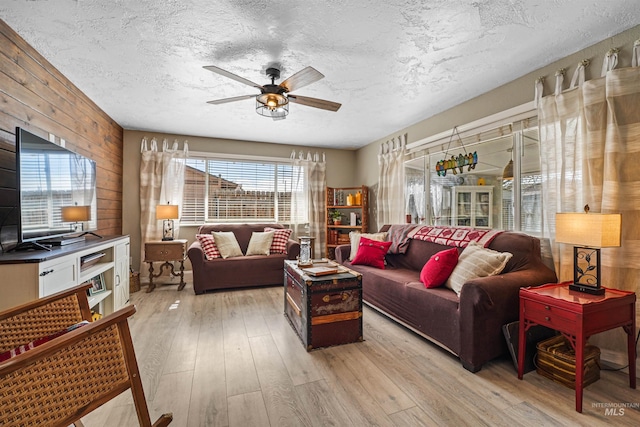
236	190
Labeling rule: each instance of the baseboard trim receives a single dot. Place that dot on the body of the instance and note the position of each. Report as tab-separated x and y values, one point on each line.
617	359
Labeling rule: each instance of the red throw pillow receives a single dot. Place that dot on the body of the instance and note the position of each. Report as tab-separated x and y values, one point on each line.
280	240
371	252
439	267
208	246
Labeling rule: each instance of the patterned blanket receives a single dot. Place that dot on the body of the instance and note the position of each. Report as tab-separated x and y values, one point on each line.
454	236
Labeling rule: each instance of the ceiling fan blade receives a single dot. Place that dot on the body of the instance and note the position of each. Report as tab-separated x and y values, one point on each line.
234	99
302	78
315	102
231	76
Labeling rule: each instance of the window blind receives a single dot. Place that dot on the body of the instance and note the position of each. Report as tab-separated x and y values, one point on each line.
233	190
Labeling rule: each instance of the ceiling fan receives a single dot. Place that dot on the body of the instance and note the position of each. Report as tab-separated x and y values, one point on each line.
273	100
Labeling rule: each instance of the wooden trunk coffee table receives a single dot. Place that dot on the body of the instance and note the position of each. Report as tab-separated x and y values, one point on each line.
323	310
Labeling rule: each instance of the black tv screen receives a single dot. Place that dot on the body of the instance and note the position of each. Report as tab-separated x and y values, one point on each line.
50	179
9	210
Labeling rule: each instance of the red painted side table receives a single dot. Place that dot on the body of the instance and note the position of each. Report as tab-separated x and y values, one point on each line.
577	316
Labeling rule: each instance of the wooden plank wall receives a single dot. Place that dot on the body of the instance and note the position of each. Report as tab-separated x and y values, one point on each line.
36	96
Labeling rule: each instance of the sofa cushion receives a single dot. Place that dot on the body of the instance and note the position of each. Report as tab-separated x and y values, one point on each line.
371	252
280	239
227	244
476	261
208	246
354	239
260	243
439	267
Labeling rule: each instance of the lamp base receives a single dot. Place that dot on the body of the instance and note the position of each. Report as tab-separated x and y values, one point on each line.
586	289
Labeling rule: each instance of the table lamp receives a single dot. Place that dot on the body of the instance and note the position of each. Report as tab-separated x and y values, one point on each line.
588	232
78	215
167	213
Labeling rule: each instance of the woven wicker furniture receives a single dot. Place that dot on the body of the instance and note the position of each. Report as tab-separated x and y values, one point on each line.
59	382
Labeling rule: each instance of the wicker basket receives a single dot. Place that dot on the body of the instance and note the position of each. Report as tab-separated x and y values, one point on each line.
557	361
134	282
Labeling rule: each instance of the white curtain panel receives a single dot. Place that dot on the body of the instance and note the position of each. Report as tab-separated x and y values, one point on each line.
161	182
308	201
390	198
589	143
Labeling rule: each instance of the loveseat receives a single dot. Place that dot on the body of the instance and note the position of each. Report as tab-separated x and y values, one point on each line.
469	325
240	271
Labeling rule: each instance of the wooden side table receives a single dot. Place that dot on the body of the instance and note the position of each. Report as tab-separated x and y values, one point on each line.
167	251
577	316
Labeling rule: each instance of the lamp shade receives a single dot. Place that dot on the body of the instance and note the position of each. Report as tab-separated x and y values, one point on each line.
167	212
507	173
75	213
594	230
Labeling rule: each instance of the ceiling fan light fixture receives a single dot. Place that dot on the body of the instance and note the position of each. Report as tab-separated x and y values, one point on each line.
272	105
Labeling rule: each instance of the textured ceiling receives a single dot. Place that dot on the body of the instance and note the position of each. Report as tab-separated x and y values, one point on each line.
391	63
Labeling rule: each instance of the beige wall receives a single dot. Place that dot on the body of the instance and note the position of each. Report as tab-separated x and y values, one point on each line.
503	98
340	173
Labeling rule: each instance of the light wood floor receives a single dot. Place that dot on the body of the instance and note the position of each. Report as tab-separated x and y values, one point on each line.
231	359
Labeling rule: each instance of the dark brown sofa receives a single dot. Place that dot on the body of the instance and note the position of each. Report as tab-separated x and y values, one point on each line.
238	272
469	326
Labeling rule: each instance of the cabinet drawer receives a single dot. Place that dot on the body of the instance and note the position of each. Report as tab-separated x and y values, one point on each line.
57	277
550	316
163	252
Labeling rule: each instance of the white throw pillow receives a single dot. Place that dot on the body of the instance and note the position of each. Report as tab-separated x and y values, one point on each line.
476	261
260	243
354	239
227	244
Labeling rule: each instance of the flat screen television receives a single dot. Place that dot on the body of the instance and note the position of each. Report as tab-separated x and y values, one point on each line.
52	179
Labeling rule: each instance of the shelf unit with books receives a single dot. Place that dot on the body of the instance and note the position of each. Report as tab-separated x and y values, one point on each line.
351	205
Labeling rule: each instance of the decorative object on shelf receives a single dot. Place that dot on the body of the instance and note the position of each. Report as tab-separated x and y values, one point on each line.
167	213
359	198
97	284
588	232
481	181
456	163
350	199
304	259
336	217
95	316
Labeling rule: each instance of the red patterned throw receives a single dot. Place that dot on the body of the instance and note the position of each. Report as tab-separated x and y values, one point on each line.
35	343
454	236
280	239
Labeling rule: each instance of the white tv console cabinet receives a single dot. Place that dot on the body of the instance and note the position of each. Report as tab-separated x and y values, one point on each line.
28	275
